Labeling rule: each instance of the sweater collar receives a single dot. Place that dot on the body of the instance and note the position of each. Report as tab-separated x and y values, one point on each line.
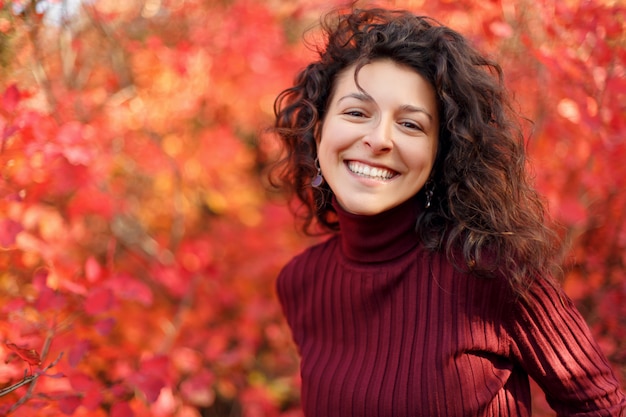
380	237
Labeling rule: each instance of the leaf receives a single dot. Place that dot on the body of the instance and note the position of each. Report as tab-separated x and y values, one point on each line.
501	29
197	389
572	211
28	355
121	409
50	299
88	200
40	280
149	385
77	352
69	403
10	99
105	326
152	376
8	131
92	399
99	300
81	382
72	139
9	230
93	270
13	305
126	287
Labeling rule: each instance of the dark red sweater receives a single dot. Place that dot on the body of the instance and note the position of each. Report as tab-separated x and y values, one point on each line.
386	329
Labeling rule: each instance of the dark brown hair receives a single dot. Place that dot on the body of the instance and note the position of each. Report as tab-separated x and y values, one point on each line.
485	213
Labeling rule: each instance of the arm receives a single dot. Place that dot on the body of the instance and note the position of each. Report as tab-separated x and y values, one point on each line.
552	342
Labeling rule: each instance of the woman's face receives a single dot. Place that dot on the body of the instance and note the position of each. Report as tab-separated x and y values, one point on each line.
378	145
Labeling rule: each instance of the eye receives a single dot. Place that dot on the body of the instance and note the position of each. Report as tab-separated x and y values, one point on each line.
411	125
354	113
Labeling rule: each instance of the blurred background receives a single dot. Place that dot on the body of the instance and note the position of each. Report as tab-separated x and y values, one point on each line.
139	242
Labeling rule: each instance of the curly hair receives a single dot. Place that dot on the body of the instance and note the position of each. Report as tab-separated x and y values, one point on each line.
485	214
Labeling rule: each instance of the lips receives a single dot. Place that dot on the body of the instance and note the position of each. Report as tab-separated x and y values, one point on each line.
368	171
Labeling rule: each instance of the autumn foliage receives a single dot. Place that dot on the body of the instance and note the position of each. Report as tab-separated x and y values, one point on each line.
138	240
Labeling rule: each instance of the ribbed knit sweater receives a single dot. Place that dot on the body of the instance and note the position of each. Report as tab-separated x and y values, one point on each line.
385	328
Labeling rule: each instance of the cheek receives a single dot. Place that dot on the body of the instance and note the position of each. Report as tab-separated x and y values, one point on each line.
325	156
337	136
327	142
421	158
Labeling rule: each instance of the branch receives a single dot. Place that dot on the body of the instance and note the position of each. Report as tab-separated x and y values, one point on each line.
32	379
186	304
39	72
27	380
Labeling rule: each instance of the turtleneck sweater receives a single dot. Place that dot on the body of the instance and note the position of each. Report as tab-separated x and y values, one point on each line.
385	328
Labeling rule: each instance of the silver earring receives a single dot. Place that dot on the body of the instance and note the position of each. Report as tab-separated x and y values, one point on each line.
430	187
318	179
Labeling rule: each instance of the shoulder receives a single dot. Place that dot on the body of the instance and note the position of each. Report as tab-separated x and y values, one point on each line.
544	296
305	263
546	318
297	279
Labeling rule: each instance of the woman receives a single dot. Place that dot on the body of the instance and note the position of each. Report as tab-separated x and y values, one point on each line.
435	294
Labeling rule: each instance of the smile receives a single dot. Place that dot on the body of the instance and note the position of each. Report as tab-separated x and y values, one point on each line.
368	171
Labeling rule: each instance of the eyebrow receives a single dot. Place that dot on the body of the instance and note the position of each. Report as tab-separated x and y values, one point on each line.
362	96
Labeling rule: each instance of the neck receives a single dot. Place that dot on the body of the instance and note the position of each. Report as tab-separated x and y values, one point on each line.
380	237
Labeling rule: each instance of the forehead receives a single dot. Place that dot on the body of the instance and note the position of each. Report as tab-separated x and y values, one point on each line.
383	78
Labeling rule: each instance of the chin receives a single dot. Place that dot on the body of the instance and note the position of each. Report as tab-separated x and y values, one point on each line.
365	209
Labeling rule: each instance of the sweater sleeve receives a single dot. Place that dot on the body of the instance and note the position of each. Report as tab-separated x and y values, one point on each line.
552	342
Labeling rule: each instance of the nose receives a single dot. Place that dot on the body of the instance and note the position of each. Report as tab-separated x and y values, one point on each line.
379	138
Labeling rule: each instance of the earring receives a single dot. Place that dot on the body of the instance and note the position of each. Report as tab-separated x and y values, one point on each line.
318	179
429	190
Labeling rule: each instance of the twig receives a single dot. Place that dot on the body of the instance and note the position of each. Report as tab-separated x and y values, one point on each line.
27	380
41	76
185	305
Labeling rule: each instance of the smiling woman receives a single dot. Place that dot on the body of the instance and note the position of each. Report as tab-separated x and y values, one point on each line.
436	294
379	138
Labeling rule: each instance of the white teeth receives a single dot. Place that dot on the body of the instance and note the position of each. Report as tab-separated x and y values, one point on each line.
368	171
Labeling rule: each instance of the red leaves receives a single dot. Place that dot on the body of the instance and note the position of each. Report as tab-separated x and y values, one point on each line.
77	352
75	142
50	299
30	356
126	287
167	136
197	389
93	270
9	230
151	377
121	409
572	212
69	403
99	300
105	326
10	100
90	391
501	29
9	103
